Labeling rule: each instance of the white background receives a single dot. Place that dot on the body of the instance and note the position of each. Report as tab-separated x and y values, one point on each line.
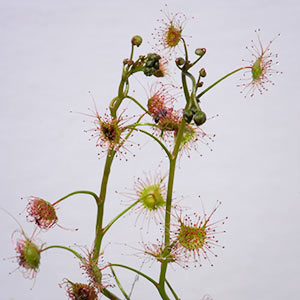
53	52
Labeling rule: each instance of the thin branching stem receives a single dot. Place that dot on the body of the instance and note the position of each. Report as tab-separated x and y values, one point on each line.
119	283
139	104
75	193
109	294
157	140
172	290
65	248
218	81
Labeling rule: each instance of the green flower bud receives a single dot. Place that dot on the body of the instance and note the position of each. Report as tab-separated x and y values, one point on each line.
194	109
202	72
200	51
31	255
257	69
180	61
152	64
188	115
136	40
199	118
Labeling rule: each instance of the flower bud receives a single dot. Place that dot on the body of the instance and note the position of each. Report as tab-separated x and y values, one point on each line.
194	109
202	72
188	115
31	255
180	61
151	64
200	51
136	40
199	118
28	255
41	212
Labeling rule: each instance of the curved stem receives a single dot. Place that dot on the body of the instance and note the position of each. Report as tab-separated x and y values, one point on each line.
139	104
158	141
172	291
161	291
131	53
65	248
185	88
136	271
134	126
105	229
192	64
74	193
193	93
185	51
109	294
121	94
118	283
218	81
100	231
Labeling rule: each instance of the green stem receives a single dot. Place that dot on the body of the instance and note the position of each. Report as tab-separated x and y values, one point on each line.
160	290
118	283
193	93
218	81
105	292
158	141
74	193
139	104
185	51
105	229
65	248
172	291
168	247
109	294
164	264
131	53
121	95
100	231
185	88
136	271
135	125
192	64
100	204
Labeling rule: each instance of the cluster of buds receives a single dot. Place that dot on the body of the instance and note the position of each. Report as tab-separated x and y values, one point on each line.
196	114
152	65
192	110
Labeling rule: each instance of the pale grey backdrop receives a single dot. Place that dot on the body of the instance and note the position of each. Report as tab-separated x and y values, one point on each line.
53	52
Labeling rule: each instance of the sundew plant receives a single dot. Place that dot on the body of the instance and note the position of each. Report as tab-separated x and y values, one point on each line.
187	238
